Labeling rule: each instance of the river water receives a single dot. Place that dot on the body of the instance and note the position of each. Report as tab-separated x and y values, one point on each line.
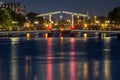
65	58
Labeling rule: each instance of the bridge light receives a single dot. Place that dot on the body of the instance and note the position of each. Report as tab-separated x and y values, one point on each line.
61	29
27	24
49	27
73	27
46	25
85	25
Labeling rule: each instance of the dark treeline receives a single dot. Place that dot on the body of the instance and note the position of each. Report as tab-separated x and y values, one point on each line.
8	19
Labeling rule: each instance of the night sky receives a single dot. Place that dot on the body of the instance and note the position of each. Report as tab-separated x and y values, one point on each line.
94	7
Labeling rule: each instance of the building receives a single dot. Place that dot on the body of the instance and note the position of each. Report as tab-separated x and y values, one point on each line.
17	7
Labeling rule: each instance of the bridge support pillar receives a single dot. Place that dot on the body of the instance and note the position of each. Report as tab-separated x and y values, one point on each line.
72	34
79	34
99	35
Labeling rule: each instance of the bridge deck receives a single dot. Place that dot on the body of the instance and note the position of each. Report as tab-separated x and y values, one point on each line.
48	31
33	31
98	31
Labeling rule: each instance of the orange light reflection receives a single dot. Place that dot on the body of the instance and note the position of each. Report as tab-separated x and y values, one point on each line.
85	71
61	60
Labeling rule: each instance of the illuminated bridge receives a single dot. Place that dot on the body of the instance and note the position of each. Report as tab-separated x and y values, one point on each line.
63	12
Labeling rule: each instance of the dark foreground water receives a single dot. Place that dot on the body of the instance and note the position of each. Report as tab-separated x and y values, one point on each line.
59	59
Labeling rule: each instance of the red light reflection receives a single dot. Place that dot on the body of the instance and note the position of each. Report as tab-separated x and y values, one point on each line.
49	61
72	61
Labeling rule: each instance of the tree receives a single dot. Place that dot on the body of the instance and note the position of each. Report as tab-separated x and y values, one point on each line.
31	16
102	19
20	19
114	15
5	19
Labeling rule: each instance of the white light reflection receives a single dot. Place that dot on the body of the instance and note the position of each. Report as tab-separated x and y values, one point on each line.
49	61
14	40
72	60
106	69
106	44
14	65
95	69
79	70
28	67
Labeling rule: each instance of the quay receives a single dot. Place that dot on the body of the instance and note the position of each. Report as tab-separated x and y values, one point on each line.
58	33
41	31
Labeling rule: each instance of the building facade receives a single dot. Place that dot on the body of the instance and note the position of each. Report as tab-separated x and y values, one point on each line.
17	7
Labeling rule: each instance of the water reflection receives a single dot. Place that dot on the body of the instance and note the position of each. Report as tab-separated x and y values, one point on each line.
107	63
14	63
85	37
61	59
72	60
61	71
28	36
85	71
96	69
58	59
49	61
28	68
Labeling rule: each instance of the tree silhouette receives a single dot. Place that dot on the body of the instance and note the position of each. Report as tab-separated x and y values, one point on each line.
5	19
114	15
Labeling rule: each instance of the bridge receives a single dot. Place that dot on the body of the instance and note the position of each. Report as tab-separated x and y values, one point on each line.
48	31
63	12
75	33
25	32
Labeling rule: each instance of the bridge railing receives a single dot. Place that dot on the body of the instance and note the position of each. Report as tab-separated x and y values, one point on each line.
32	31
99	31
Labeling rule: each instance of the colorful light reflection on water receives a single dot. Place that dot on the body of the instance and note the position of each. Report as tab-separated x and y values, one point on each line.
49	61
59	59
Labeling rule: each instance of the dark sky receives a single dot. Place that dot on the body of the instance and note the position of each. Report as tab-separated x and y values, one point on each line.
94	7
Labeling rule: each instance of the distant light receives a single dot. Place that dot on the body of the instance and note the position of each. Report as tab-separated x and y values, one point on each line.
36	22
85	25
49	27
52	22
46	25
